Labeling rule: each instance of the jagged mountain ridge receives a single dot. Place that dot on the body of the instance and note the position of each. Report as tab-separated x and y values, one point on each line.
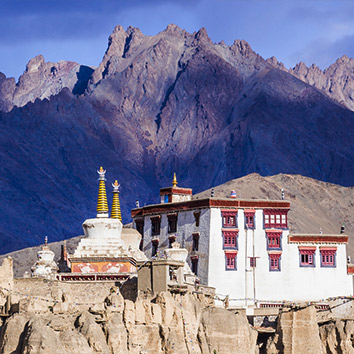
337	81
155	105
42	80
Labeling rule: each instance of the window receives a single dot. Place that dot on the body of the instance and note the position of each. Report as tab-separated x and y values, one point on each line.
328	257
274	262
155	225
276	218
194	260
249	219
172	222
230	239
155	247
195	241
171	240
229	218
230	260
197	218
140	228
253	262
273	240
307	256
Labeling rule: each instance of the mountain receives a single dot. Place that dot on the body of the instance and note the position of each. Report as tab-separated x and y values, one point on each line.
173	102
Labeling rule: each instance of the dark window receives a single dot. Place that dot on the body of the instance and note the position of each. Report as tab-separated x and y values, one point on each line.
253	262
195	265
171	240
195	242
155	225
197	218
172	223
140	228
155	247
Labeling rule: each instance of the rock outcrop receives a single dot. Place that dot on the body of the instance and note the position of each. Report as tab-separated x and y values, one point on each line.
42	80
337	81
166	324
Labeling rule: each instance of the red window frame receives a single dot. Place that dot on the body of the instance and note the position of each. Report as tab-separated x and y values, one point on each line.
230	260
249	219
230	239
274	240
307	256
274	261
328	257
275	218
253	262
229	218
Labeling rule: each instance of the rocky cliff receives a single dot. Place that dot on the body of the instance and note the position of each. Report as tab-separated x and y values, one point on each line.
174	102
165	323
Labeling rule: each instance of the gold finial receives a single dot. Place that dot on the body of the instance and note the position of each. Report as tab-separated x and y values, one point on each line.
174	182
102	206
116	213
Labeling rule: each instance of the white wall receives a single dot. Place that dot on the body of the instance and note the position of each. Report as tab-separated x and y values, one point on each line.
291	283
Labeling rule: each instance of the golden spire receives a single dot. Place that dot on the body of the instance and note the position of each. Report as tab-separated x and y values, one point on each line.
174	182
116	214
102	206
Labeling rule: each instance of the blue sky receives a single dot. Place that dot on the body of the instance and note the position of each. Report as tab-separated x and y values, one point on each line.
313	31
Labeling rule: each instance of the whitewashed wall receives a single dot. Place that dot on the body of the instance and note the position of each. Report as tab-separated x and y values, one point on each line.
291	283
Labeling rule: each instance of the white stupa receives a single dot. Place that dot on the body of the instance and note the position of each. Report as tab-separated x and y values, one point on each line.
45	267
104	248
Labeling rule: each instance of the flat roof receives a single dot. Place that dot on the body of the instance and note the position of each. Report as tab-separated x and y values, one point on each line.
210	203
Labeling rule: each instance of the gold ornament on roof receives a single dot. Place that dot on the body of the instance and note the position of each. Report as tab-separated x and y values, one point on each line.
174	182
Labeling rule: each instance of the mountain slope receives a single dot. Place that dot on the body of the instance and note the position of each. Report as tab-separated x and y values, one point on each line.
174	102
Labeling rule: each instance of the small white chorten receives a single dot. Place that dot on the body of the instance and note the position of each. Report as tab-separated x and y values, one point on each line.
45	267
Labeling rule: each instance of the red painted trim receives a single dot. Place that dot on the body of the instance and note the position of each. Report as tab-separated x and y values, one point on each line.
274	255
231	253
328	249
350	268
318	238
175	190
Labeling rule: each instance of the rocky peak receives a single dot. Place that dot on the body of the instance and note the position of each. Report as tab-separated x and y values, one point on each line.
337	81
35	63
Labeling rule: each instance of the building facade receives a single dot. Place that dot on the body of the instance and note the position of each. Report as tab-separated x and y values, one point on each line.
243	248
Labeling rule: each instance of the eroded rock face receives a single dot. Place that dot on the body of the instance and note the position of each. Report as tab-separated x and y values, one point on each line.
167	324
42	80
